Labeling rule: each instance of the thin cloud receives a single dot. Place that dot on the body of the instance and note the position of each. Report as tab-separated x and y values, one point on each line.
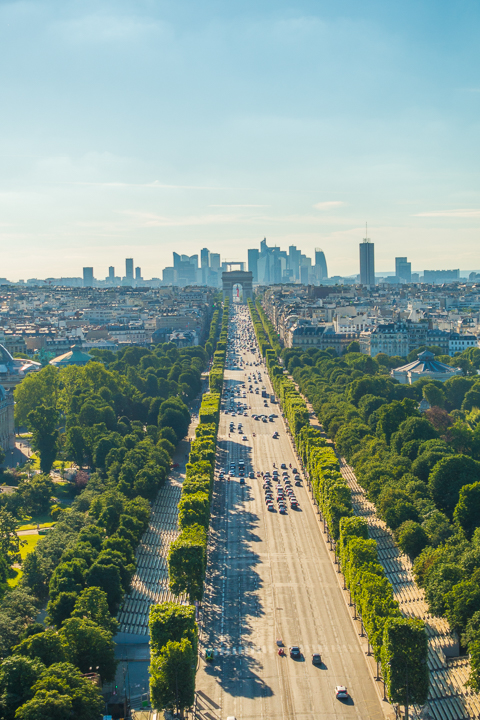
154	184
465	213
328	204
240	206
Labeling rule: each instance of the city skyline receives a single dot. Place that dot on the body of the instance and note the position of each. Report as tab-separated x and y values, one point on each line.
149	127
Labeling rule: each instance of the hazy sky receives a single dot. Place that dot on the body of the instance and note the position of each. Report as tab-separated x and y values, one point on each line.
135	128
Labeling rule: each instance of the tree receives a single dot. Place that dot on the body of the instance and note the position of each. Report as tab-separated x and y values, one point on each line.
90	645
75	445
48	647
447	478
472	399
60	693
37	493
107	577
462	602
43	423
9	540
44	385
194	509
474	679
433	395
404	661
46	705
172	671
395	507
411	538
174	418
17	675
170	621
467	510
187	559
92	604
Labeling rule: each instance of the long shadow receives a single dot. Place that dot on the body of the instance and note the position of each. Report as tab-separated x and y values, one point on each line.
232	599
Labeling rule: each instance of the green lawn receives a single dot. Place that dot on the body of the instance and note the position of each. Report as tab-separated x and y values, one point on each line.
33	525
17	574
30	542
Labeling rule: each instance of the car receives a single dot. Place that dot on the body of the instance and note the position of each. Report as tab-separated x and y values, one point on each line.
251	475
283	466
275	436
341	692
209	654
295	652
244	437
298	483
221	475
242	480
294	471
282	510
271	507
316	659
294	504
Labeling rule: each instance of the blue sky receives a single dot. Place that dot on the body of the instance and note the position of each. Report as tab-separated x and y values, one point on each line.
139	128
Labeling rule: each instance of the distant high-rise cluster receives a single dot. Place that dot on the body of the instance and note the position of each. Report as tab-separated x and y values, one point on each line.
271	265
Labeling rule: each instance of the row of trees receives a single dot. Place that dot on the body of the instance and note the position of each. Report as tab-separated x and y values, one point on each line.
364	576
218	365
421	470
85	564
173	630
174	647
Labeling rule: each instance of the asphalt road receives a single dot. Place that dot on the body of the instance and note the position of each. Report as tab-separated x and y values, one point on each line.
270	577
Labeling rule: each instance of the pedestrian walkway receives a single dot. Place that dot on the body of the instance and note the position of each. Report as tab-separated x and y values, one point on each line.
449	699
150	583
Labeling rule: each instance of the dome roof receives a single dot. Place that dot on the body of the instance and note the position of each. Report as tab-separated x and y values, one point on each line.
74	357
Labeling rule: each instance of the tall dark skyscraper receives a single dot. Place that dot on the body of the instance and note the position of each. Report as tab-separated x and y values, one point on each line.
111	273
129	269
367	263
138	273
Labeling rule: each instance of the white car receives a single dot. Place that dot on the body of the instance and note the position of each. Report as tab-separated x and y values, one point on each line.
341	692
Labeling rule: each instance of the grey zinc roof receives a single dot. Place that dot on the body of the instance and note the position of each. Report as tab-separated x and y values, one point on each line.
426	363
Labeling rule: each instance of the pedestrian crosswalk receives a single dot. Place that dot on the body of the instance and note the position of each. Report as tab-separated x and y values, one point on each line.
307	650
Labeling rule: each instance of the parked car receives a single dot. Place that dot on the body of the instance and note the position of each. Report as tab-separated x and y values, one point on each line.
341	692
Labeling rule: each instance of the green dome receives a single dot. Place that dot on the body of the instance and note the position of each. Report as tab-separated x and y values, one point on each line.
74	357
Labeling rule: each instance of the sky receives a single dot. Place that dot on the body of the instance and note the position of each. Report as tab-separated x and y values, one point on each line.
139	128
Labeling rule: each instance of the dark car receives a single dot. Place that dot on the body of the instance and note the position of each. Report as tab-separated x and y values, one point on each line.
316	659
283	466
282	510
251	475
295	471
295	652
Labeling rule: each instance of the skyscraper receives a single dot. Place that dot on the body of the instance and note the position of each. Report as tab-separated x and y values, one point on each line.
215	261
204	264
88	279
111	273
138	273
367	263
403	269
253	256
321	271
129	269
